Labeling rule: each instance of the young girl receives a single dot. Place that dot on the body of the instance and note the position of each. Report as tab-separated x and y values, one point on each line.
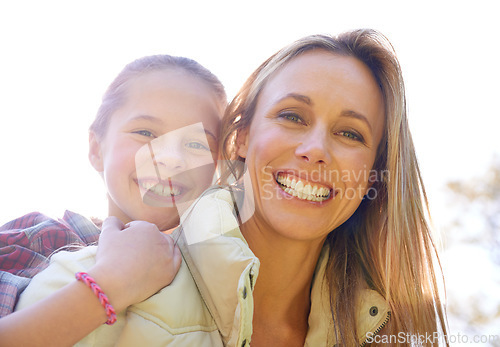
154	142
322	239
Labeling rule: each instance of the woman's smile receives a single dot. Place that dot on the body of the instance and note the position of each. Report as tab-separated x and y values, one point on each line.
303	189
319	115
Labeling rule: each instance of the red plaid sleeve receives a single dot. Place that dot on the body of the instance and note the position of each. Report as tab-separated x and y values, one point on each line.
26	244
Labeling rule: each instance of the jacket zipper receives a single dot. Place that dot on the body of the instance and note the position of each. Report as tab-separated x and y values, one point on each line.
384	323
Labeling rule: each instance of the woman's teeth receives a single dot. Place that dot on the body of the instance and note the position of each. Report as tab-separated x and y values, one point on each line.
297	188
160	189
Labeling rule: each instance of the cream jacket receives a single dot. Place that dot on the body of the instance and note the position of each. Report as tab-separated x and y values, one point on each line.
210	301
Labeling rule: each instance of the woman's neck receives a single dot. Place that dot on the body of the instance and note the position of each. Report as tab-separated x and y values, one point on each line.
282	291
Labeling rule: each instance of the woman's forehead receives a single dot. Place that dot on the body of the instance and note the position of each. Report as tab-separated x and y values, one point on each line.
326	82
325	74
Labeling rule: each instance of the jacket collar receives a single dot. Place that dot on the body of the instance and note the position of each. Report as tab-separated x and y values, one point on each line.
225	269
372	311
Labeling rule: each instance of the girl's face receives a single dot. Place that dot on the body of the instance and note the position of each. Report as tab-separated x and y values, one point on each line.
159	151
312	143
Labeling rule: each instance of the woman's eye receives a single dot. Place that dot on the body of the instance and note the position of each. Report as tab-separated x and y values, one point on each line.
351	135
293	117
144	133
197	145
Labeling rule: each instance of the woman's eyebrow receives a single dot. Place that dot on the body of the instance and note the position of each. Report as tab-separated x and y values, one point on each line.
356	115
298	97
308	101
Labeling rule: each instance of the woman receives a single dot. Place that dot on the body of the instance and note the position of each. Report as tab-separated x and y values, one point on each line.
385	243
323	237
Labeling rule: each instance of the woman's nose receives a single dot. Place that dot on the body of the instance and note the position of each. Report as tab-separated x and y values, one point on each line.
314	147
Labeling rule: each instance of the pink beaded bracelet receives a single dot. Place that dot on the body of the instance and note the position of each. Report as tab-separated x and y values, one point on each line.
103	299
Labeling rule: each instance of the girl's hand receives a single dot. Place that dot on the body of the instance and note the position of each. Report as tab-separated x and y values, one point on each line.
134	261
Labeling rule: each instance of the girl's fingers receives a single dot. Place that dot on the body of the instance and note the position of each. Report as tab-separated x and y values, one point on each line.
177	257
136	222
111	223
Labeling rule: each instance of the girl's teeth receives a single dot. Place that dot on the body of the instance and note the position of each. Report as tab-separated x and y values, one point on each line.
148	185
160	189
167	191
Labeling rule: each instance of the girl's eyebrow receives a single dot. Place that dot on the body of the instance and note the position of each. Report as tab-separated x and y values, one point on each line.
208	132
158	121
147	117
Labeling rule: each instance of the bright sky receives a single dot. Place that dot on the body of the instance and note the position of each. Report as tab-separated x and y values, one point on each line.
58	57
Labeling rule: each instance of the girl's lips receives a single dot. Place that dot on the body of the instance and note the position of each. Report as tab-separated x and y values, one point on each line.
162	188
161	193
303	189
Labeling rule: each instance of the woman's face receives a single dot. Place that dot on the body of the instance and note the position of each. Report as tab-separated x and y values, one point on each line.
160	148
312	144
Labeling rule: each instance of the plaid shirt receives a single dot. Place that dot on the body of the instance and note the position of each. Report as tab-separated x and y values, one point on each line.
26	244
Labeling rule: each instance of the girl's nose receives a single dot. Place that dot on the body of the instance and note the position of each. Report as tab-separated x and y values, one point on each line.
169	155
172	160
314	147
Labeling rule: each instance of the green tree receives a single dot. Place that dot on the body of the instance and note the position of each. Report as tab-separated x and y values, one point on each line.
479	199
471	258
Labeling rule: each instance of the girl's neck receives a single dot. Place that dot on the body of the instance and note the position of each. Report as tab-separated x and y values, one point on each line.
282	291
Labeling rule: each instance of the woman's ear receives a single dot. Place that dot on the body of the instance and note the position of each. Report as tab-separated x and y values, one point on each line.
242	142
95	152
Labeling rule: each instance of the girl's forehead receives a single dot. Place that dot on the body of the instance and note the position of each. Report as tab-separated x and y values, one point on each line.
167	77
170	98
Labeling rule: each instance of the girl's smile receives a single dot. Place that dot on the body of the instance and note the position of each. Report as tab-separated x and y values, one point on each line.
162	193
160	148
171	166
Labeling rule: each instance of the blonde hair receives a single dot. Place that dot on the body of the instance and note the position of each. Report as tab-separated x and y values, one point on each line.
387	243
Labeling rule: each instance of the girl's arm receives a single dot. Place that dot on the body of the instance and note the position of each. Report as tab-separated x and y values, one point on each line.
132	263
61	319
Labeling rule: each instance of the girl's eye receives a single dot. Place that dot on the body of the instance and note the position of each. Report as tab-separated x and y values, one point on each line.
351	135
144	133
293	117
197	145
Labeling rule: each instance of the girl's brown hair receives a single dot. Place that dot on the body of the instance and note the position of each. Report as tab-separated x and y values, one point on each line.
116	94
